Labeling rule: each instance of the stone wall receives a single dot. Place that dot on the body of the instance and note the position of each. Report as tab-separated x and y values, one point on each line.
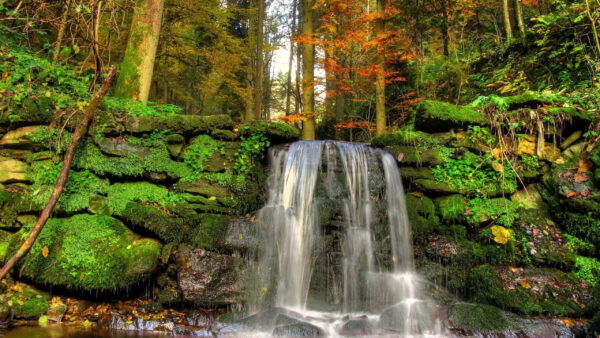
150	200
510	221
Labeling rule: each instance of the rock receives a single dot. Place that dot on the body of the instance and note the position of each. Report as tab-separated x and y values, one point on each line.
572	151
451	208
529	198
168	228
276	132
471	318
225	135
526	100
413	173
6	315
29	303
358	327
530	291
551	152
56	312
527	145
208	278
12	171
20	138
175	144
204	187
177	123
439	248
99	205
436	116
38	111
88	252
436	187
212	231
210	155
571	139
27	220
417	318
241	235
298	330
120	147
410	155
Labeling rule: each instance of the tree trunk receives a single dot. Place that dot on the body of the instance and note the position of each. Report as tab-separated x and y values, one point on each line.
593	21
308	72
260	65
444	28
59	187
520	21
380	118
138	64
507	25
288	96
61	30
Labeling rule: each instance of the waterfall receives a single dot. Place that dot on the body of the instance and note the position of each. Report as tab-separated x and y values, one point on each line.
336	240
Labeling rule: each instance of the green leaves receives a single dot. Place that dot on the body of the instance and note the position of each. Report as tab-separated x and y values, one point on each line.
252	148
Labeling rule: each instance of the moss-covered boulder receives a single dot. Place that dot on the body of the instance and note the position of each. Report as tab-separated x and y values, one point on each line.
414	173
87	252
422	217
4	243
168	227
209	155
531	290
212	231
478	318
26	302
22	137
436	187
177	123
451	208
12	171
31	111
409	155
436	116
276	132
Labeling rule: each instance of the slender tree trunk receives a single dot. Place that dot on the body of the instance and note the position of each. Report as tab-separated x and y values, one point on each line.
507	25
329	88
138	64
593	21
260	64
445	33
59	187
61	30
298	92
308	72
380	118
288	94
520	21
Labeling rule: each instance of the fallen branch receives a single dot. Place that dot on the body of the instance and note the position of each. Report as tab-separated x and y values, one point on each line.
80	131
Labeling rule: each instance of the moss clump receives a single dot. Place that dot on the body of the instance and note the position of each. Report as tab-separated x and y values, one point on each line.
421	155
88	252
588	269
200	152
90	157
177	123
406	137
274	131
4	242
436	116
29	304
483	318
451	208
498	210
421	213
121	194
212	231
167	228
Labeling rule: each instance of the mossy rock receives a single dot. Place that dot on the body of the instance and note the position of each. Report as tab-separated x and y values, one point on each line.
29	303
5	238
436	187
413	173
225	135
409	137
436	116
421	214
38	111
206	154
89	253
451	208
531	291
527	100
120	147
483	318
212	231
177	123
484	210
24	137
169	228
12	171
276	132
409	155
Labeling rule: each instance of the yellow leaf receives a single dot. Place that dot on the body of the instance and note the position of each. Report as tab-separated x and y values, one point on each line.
81	276
10	302
212	198
524	284
501	234
45	252
264	291
20	302
252	218
240	236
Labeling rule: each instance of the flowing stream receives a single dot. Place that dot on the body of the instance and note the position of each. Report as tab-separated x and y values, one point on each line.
336	256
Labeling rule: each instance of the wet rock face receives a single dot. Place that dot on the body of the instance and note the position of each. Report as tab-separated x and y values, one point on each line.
208	278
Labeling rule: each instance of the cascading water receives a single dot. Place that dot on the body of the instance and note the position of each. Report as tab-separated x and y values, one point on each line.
336	250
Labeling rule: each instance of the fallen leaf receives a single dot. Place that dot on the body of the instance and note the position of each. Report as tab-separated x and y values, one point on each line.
81	276
524	284
45	252
579	178
514	269
501	234
585	166
252	219
571	194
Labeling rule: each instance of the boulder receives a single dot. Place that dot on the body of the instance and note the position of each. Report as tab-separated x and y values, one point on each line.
436	187
120	147
177	123
87	252
27	302
528	198
413	173
276	132
436	116
410	155
20	138
208	278
451	208
12	171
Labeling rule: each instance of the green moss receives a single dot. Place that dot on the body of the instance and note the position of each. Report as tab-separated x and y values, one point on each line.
588	269
88	252
406	137
483	318
421	213
4	242
120	194
200	151
177	123
579	246
211	232
167	228
451	208
434	116
496	210
29	304
419	155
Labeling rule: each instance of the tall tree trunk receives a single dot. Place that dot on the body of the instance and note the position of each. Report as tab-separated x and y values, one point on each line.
308	72
507	25
288	94
59	187
520	21
138	64
380	118
61	30
298	91
329	88
260	64
593	22
445	28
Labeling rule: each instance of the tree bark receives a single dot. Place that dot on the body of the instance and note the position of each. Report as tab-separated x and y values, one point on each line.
260	65
59	187
593	21
507	25
445	33
138	64
520	21
308	72
61	30
288	97
380	118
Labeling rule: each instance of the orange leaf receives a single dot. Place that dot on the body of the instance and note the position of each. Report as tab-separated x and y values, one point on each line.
524	284
45	252
81	276
571	194
584	166
579	178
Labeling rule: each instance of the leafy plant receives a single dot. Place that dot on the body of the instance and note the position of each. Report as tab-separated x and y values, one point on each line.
252	148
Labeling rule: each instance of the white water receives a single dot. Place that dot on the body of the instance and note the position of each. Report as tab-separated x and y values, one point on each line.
384	295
